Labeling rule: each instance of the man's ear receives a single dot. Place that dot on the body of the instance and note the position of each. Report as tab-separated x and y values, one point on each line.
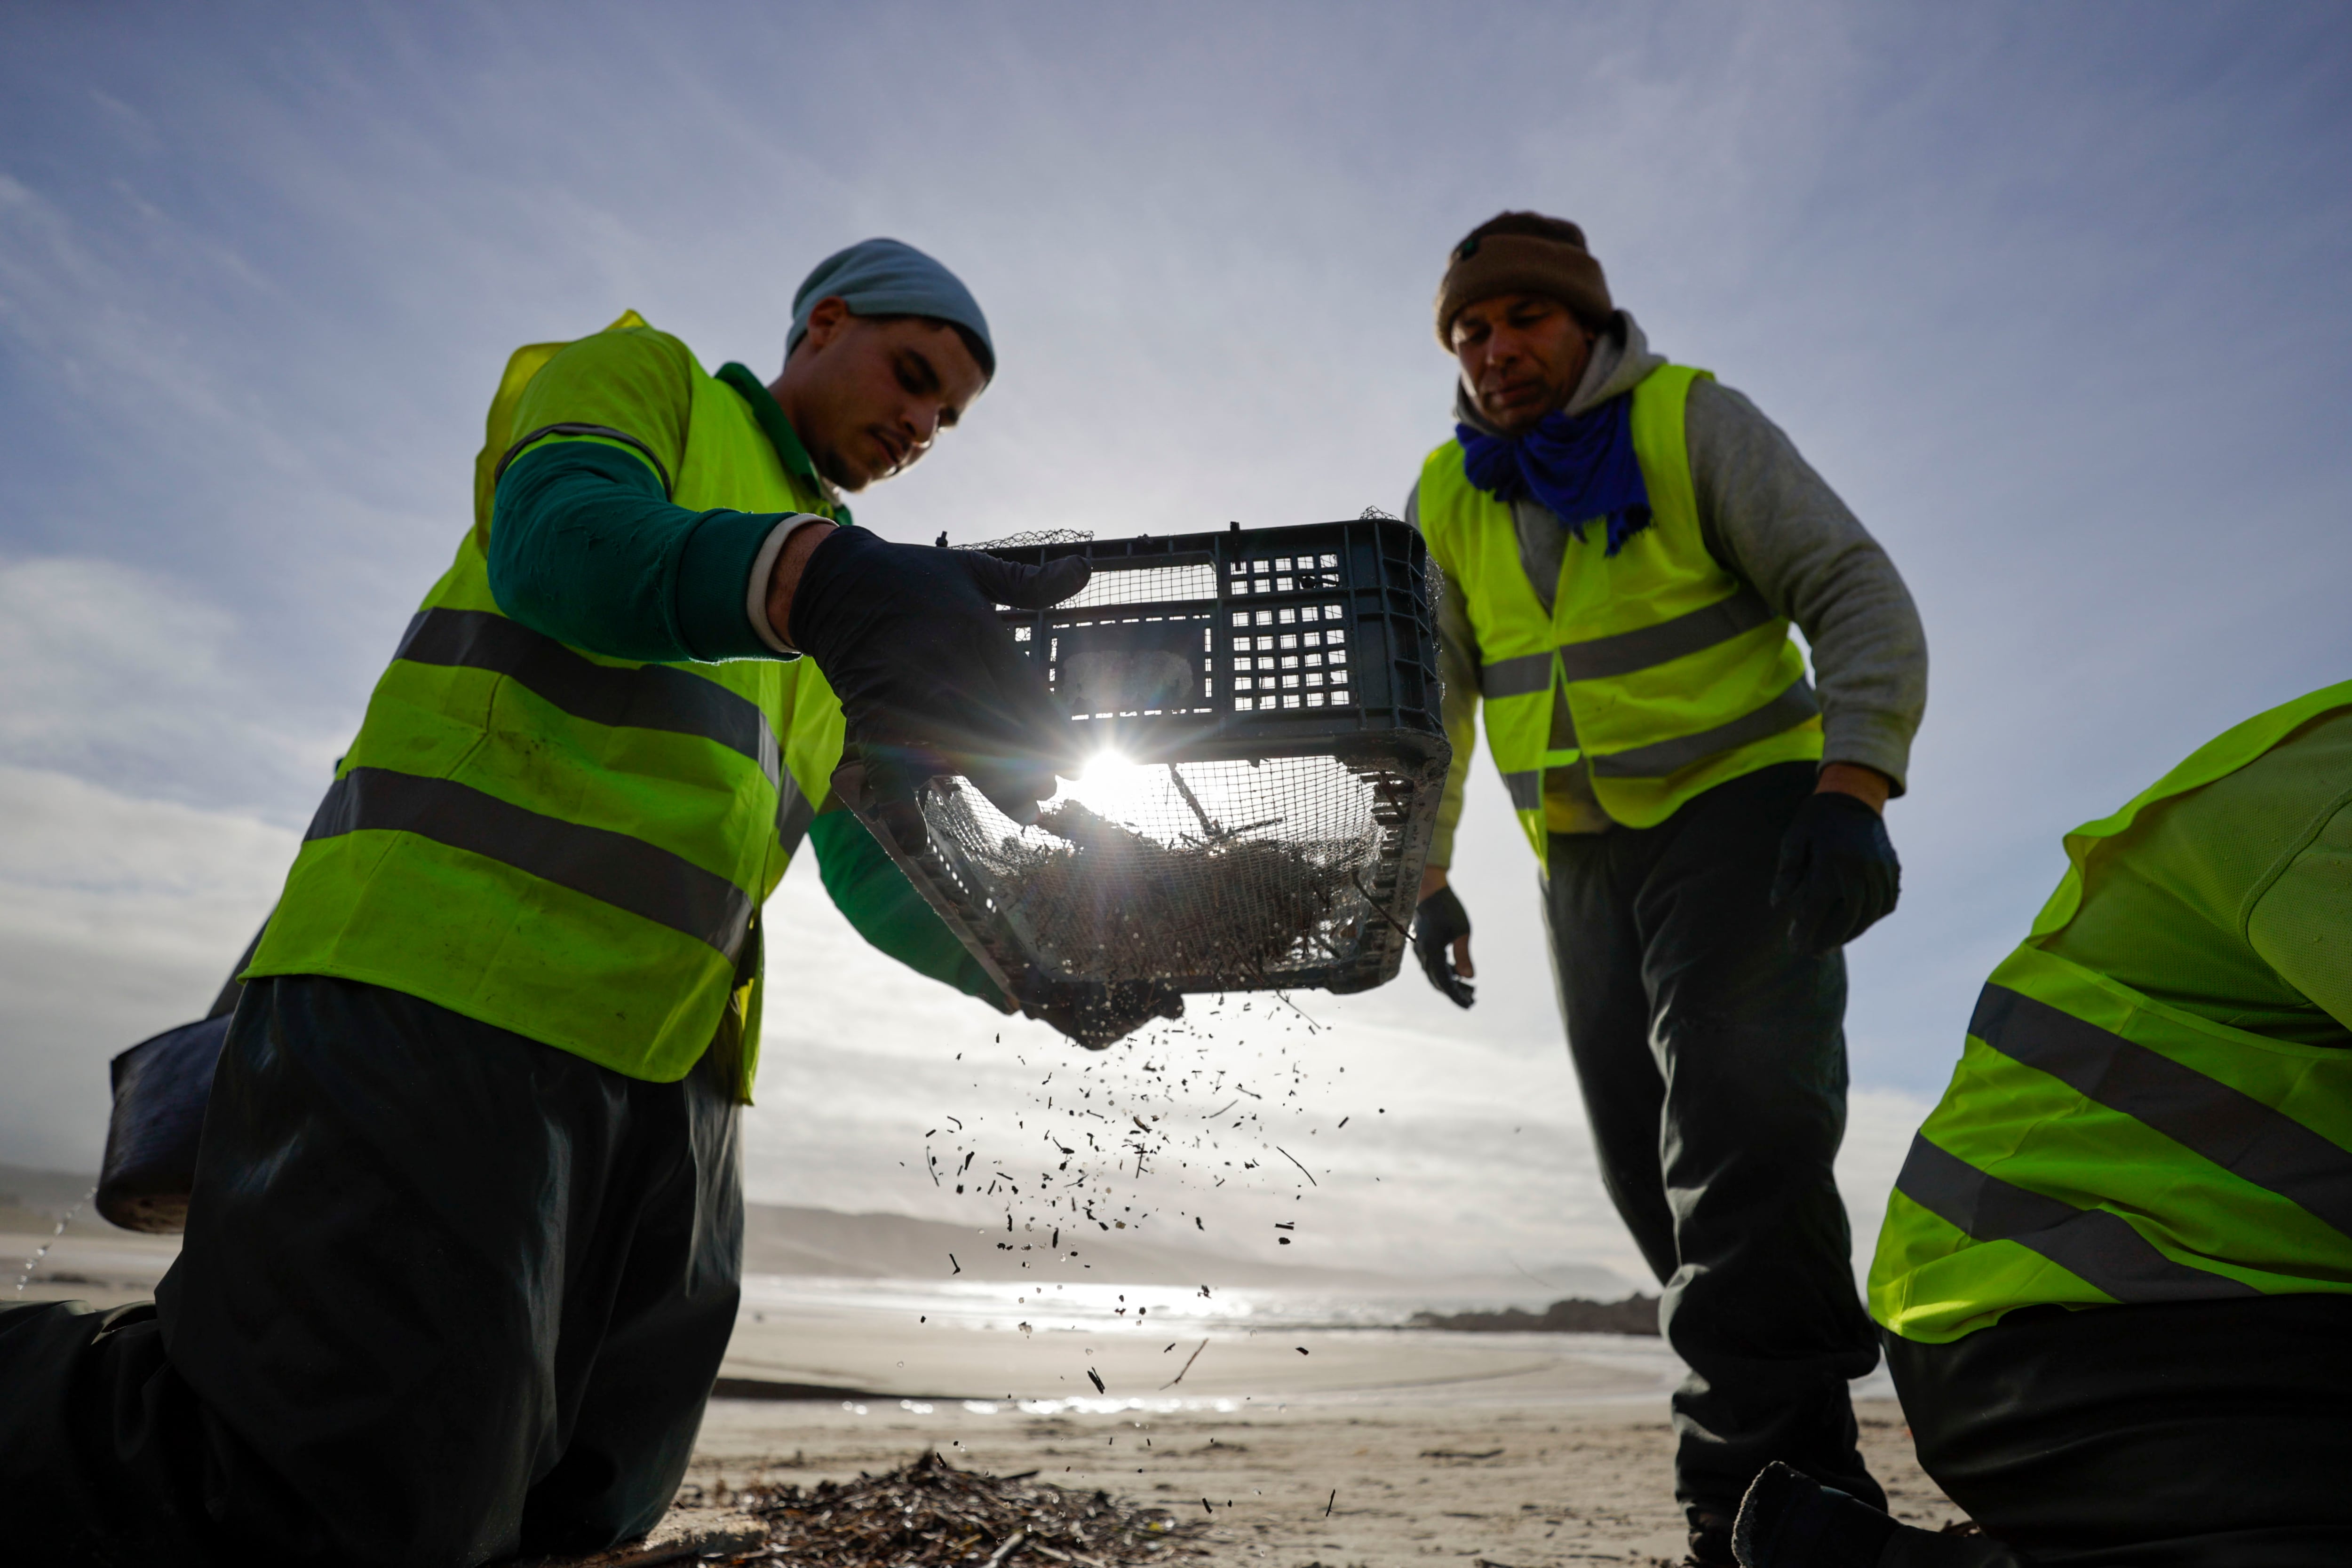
827	318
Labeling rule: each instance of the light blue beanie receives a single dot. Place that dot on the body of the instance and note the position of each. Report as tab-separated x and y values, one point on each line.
891	278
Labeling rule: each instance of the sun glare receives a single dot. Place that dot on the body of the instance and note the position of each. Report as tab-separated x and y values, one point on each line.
1116	787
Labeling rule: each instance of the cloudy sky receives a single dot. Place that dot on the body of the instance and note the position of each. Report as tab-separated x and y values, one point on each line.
2055	295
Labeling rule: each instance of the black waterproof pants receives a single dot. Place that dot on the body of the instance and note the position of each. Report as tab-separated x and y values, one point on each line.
1712	1059
2176	1435
448	1294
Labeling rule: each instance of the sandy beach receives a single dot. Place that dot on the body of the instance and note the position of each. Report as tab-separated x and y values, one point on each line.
1377	1479
1374	1446
1288	1442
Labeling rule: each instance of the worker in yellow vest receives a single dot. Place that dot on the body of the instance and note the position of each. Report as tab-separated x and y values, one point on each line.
1625	547
464	1242
2114	1280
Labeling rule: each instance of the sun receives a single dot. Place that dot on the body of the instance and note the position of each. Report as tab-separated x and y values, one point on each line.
1114	786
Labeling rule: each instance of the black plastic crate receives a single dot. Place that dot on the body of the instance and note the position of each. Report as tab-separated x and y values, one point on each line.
1244	643
1271	758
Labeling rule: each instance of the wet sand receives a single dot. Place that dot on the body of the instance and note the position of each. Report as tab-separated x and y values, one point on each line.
1376	1481
1376	1446
1238	1365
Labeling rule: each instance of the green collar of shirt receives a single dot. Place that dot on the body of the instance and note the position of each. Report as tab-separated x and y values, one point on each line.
780	434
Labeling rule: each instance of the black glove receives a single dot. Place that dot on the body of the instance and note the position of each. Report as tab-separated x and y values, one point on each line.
1437	921
930	679
1838	874
1095	1014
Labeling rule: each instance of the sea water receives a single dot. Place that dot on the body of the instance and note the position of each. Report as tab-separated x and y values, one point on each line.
1173	1312
1099	1306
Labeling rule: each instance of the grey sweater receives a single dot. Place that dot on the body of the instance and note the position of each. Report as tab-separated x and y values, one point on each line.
1772	522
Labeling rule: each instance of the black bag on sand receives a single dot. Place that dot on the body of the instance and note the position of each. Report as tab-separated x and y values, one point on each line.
161	1086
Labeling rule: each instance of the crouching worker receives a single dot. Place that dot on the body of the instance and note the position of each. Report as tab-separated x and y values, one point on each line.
2115	1283
463	1247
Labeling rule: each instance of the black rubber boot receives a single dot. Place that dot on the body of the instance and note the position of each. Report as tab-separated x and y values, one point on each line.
1790	1520
1710	1541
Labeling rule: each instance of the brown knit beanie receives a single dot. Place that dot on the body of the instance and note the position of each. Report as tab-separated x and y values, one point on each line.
1523	253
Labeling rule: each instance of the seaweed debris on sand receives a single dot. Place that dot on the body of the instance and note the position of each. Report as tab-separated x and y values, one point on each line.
1115	904
1634	1314
925	1514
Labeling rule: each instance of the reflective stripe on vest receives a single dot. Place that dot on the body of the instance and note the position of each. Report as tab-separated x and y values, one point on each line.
795	813
1792	707
569	847
1676	676
2097	1247
1629	650
2226	1125
626	873
2098	1146
646	696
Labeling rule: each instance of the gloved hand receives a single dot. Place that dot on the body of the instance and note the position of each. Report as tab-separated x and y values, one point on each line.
1095	1014
1838	873
1438	921
930	681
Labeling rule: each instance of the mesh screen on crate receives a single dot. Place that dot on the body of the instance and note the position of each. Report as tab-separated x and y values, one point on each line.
1200	873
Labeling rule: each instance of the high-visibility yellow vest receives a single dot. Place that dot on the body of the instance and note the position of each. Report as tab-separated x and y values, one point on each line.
2098	1146
566	845
1676	674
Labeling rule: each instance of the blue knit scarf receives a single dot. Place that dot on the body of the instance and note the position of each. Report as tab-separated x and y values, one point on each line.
1580	468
